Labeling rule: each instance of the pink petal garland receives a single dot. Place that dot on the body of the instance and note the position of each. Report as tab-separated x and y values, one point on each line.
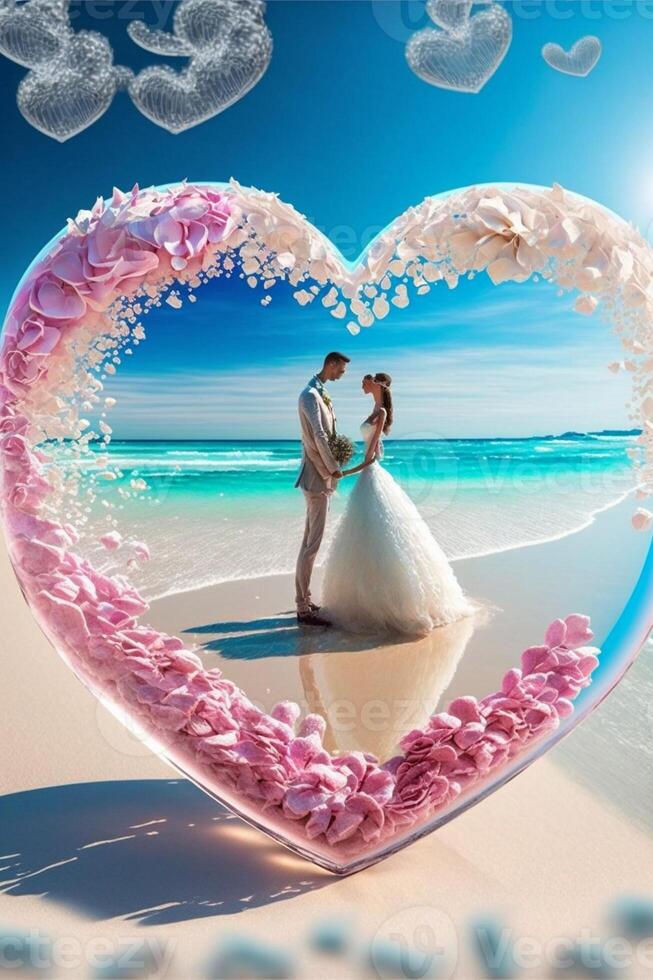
277	761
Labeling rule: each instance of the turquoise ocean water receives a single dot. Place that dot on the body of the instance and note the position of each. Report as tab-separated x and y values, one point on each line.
218	510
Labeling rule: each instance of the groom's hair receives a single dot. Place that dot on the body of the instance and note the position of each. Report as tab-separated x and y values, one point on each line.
334	356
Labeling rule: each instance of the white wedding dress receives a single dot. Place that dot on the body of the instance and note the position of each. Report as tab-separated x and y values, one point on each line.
385	572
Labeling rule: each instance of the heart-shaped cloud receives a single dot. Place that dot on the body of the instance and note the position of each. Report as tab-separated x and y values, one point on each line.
229	48
579	60
343	811
465	57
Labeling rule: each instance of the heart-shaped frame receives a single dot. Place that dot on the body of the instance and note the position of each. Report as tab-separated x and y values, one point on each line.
75	306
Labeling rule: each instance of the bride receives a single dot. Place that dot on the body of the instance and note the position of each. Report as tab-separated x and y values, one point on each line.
385	571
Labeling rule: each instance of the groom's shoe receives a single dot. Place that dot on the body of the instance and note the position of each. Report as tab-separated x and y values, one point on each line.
314	608
312	619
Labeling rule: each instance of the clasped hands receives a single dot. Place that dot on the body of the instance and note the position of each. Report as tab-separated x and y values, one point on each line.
338	474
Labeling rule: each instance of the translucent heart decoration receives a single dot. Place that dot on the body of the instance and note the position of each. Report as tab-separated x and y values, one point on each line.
34	32
72	80
451	15
464	57
76	314
581	58
229	47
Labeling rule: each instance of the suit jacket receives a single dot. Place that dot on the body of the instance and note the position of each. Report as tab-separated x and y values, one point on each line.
317	421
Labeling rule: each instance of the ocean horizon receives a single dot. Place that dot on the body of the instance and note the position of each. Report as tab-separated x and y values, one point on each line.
214	510
570	434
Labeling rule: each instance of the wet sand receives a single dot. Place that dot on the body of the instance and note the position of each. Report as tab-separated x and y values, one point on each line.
103	844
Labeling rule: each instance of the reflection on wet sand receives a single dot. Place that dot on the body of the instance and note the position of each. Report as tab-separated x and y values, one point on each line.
371	690
247	629
371	697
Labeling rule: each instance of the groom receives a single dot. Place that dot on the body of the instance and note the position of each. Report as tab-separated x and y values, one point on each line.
317	478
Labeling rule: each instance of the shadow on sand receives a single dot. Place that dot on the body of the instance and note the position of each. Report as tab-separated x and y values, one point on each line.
154	851
281	636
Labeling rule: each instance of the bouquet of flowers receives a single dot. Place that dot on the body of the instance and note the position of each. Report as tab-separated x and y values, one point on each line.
342	448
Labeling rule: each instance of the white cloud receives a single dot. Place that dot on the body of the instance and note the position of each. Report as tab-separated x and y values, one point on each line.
505	390
515	360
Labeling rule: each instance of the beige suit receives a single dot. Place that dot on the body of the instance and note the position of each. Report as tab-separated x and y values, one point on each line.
317	421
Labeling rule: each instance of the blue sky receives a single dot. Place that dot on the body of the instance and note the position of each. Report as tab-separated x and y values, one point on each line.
474	361
340	127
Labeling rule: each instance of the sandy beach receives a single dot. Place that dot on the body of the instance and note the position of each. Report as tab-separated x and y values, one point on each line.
101	841
371	694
